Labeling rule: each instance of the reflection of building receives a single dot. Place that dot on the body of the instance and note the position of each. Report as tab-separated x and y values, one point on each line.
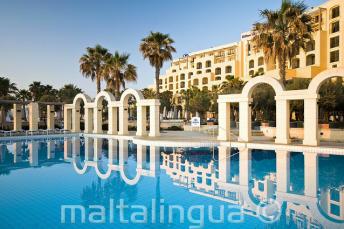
332	202
206	69
301	216
265	189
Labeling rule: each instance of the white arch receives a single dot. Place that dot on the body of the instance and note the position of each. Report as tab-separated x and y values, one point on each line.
136	93
83	97
104	94
316	82
252	83
128	181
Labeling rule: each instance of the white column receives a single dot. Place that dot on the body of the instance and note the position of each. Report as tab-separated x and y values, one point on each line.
112	120
50	149
67	149
311	130
98	122
17	117
33	152
311	174
244	121
224	164
67	119
154	121
282	121
141	156
141	121
154	161
33	116
283	170
224	121
123	120
76	119
50	117
17	152
88	120
244	166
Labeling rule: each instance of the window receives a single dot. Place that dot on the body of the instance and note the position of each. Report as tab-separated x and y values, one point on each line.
199	72
205	80
335	210
261	71
310	60
334	194
208	70
182	85
295	63
160	81
165	81
195	82
260	61
334	56
182	77
251	73
334	42
174	70
251	64
205	88
218	78
218	71
199	65
310	46
170	87
170	79
208	64
335	12
228	69
261	186
335	27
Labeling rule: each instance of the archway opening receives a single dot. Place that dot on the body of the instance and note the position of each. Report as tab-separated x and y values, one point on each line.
132	113
82	115
103	114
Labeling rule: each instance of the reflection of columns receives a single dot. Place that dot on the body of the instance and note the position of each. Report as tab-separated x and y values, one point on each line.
33	116
76	146
88	117
113	151
98	122
141	156
224	121
282	121
311	173
67	148
244	121
17	117
311	132
33	152
141	121
98	142
67	118
89	152
112	120
154	121
244	166
283	170
76	119
50	149
17	152
123	151
123	120
50	117
224	164
154	160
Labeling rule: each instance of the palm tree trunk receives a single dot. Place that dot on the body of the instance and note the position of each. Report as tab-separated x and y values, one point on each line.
157	89
282	68
117	90
98	84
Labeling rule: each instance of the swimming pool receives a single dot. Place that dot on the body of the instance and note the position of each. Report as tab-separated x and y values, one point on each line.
98	182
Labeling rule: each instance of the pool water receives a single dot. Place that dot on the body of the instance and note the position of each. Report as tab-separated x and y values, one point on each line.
75	182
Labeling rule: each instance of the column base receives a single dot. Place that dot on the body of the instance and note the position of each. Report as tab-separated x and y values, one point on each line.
154	134
123	133
221	138
112	132
282	141
311	142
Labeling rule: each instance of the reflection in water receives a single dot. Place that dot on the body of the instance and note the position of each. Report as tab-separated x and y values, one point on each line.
308	186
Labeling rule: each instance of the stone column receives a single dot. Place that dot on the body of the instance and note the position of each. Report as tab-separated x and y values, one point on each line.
154	161
123	120
282	121
311	130
17	152
76	119
311	174
245	125
33	116
112	120
50	149
141	121
50	117
224	121
154	121
67	119
88	120
17	117
244	166
33	152
141	156
283	170
98	122
224	164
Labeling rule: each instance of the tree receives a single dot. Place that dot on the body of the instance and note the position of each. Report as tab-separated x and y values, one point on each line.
283	33
297	106
117	71
148	93
157	48
200	101
231	85
23	95
67	93
166	100
92	64
7	91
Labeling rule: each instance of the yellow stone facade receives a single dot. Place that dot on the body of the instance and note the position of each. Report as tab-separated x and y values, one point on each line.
206	69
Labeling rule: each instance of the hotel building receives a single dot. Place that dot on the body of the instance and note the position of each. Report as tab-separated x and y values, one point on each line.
207	69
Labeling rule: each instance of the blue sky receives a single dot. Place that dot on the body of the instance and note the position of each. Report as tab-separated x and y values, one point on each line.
42	40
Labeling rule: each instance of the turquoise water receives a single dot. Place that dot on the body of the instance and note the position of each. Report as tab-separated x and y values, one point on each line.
42	181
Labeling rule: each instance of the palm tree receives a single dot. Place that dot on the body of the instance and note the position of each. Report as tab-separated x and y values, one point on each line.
7	91
117	71
23	95
283	33
157	48
92	64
